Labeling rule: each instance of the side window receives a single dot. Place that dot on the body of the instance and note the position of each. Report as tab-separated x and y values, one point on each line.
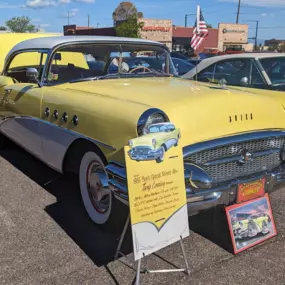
206	75
256	80
233	71
22	61
68	65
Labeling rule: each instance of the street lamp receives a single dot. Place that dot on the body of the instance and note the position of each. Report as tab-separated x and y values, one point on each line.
186	18
256	32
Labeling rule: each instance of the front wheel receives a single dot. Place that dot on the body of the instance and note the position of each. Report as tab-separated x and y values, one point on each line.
161	157
97	198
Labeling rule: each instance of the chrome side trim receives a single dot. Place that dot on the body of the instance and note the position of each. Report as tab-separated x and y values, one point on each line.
78	135
266	134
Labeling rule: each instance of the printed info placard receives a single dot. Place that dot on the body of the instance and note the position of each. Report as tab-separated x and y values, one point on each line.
157	199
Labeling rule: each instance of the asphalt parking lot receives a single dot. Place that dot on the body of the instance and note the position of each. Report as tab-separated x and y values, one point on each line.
46	238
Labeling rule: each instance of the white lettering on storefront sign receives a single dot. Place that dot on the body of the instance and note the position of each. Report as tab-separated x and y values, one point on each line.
233	31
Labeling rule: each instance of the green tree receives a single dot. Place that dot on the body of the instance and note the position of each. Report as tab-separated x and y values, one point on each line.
282	47
130	28
209	26
3	28
20	25
124	11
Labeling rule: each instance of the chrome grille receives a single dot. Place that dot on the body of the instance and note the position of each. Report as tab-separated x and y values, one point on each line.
141	150
230	170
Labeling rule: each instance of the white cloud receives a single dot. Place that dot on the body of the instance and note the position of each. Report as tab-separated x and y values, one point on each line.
260	3
39	4
36	20
71	14
267	15
78	1
45	25
8	6
84	1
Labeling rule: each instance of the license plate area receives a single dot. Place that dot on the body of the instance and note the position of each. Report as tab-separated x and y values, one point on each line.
251	190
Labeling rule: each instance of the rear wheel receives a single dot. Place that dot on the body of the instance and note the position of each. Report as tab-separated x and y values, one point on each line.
102	208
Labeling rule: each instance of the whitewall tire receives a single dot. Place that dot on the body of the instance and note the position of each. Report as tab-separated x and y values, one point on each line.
96	199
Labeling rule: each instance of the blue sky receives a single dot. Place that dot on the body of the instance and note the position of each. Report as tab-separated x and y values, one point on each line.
52	14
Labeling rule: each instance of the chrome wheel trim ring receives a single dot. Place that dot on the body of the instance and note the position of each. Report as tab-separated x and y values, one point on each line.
100	199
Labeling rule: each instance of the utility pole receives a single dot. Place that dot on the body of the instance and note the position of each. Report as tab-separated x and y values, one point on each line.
97	25
186	18
238	11
88	21
256	33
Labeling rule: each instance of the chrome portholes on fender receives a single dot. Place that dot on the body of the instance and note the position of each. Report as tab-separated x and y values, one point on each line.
75	120
55	114
93	180
47	112
64	117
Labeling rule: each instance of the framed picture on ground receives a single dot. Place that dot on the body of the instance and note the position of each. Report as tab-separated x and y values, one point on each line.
250	223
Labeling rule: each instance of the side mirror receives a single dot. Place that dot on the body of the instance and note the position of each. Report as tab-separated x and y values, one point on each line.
244	82
33	74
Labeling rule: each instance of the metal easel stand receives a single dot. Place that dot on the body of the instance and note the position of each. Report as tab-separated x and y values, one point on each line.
146	270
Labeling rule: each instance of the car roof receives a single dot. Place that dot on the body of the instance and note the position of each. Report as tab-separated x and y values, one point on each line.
51	42
209	61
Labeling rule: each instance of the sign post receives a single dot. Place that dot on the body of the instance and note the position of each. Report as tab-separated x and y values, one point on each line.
157	200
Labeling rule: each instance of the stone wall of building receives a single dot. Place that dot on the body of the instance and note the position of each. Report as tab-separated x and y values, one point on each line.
232	34
157	30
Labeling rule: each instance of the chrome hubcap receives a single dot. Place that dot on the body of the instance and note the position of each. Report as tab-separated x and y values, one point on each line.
100	196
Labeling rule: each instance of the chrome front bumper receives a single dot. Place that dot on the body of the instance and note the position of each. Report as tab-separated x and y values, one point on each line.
223	194
152	155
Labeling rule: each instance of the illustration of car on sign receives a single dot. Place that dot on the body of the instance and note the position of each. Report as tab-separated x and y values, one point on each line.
158	139
69	109
251	226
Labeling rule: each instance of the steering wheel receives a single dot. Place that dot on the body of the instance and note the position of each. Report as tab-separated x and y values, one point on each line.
145	69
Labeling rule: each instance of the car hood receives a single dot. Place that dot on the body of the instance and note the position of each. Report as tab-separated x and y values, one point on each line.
201	112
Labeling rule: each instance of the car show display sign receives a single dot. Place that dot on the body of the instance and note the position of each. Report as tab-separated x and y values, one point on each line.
250	223
251	190
156	186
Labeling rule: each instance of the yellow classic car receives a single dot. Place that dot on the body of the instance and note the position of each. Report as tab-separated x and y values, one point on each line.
251	226
78	116
157	139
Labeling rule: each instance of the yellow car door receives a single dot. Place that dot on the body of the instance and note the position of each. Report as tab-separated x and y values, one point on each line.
20	103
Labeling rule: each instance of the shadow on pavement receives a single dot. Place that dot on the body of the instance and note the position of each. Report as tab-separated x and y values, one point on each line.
68	211
212	224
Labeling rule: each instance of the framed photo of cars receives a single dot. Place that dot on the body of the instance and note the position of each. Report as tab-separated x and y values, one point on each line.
250	223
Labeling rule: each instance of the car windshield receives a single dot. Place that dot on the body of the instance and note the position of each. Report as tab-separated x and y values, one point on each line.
161	128
275	69
108	61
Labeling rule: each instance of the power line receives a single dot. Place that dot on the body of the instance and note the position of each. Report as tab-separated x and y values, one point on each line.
277	27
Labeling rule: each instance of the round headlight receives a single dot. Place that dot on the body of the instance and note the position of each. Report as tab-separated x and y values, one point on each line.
150	117
131	143
154	142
